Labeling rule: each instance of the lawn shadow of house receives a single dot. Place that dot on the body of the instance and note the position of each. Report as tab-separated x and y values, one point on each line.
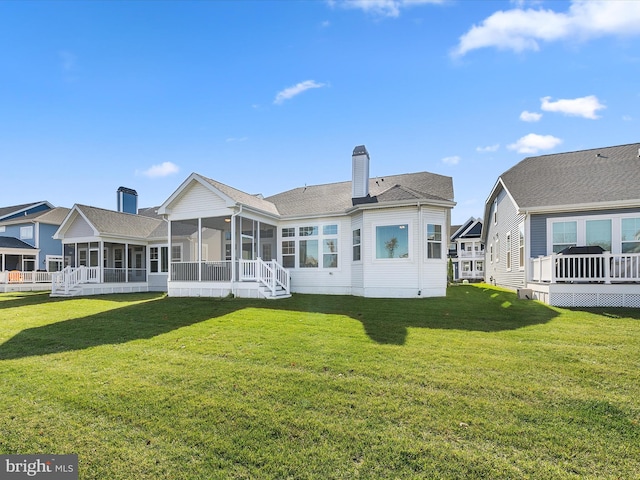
385	321
154	316
466	307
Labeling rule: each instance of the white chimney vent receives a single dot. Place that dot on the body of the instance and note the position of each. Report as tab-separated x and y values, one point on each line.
360	172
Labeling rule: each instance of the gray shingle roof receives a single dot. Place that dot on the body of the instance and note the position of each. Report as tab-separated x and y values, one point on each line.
109	222
335	198
610	174
11	242
6	211
54	216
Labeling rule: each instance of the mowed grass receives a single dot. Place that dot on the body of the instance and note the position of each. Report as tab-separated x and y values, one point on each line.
474	385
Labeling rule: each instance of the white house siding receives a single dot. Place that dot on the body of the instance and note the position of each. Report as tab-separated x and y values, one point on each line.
404	278
357	274
198	201
79	228
508	221
328	281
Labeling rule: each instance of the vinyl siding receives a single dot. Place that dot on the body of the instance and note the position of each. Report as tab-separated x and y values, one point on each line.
539	233
79	228
198	201
508	221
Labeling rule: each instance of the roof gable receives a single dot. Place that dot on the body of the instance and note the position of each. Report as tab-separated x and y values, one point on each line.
7	213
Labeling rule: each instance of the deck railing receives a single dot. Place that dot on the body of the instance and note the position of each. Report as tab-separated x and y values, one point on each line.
17	276
605	268
219	271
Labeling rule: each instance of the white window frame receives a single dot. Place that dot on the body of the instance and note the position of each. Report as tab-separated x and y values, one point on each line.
26	233
440	241
521	245
358	245
374	235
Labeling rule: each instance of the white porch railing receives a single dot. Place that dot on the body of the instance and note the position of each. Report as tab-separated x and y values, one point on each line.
16	276
219	271
270	274
606	267
63	281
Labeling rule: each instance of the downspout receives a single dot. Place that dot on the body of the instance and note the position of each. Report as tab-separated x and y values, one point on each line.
421	249
233	250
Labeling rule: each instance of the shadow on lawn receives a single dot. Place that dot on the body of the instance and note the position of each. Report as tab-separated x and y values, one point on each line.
466	307
385	321
155	316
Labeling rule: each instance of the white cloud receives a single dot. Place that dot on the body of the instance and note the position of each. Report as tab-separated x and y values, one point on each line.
488	148
533	143
530	116
454	160
385	8
162	170
577	107
236	139
521	30
290	92
627	118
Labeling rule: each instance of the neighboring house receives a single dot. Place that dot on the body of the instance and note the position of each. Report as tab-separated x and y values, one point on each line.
588	200
27	250
466	251
380	237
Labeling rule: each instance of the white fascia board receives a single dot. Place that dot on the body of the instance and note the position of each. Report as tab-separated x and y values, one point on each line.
580	207
402	203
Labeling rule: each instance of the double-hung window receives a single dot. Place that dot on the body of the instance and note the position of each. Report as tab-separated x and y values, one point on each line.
630	235
357	243
565	234
434	241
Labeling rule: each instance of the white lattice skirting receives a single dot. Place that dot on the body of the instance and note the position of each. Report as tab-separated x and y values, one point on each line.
630	300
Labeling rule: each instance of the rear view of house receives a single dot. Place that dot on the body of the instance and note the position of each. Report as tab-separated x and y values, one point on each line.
375	237
565	228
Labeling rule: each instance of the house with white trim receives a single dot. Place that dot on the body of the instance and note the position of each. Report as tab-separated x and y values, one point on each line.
28	253
373	237
565	228
466	251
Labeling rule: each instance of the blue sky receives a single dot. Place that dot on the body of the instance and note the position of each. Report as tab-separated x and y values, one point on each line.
266	96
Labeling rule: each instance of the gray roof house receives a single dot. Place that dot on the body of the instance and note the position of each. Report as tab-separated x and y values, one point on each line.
383	237
565	228
28	253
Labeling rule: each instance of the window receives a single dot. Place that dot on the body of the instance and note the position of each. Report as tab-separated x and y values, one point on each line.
3	229
479	265
598	232
158	259
26	233
392	241
508	251
434	241
466	266
497	248
176	253
491	253
308	254
356	245
495	211
289	232
565	234
330	230
288	254
330	253
631	235
521	246
308	231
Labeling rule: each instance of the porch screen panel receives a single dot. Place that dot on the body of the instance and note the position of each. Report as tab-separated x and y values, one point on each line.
184	239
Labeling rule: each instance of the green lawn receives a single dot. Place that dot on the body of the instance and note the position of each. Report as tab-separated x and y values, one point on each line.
474	385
